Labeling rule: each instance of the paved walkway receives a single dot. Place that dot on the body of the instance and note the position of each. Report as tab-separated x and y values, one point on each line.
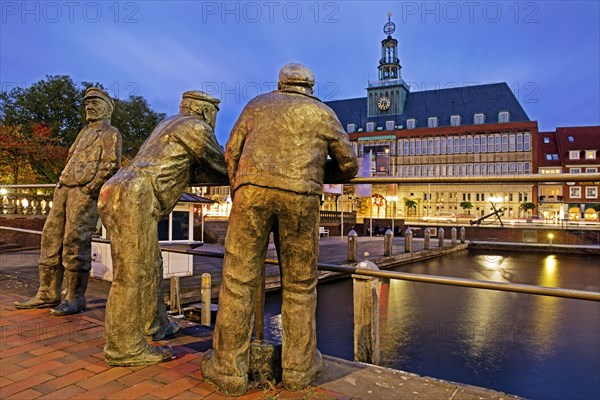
47	357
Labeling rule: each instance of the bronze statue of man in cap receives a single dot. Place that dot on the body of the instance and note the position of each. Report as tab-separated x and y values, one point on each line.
181	150
277	159
67	236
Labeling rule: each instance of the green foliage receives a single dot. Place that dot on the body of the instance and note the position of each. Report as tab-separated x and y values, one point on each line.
527	206
466	205
56	103
411	206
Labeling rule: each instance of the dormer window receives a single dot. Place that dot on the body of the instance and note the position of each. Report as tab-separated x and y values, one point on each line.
389	125
370	126
590	154
574	155
455	120
479	118
503	117
432	122
411	123
350	128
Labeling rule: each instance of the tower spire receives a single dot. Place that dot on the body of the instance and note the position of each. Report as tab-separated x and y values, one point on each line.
389	64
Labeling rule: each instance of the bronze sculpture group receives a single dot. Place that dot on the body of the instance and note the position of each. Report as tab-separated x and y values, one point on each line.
280	151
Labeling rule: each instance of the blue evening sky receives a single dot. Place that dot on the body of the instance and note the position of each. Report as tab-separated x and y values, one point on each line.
547	51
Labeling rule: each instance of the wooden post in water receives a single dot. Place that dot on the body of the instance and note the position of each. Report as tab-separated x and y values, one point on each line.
366	315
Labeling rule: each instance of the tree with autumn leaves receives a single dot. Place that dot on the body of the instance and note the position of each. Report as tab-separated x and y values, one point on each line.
39	123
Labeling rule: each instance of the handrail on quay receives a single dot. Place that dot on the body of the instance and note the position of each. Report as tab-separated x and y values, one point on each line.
524	178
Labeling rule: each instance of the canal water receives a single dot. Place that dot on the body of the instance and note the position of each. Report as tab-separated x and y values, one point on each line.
537	347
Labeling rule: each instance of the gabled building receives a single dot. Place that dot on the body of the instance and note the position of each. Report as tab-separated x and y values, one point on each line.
569	150
479	130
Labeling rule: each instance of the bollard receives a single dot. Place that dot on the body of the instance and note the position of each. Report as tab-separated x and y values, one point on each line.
366	315
453	236
441	237
388	241
205	294
352	245
426	239
462	234
408	235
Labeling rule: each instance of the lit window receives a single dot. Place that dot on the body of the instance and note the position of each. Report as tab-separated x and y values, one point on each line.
571	139
479	119
351	128
389	125
411	123
546	140
575	192
590	154
432	122
455	120
591	192
575	170
370	126
574	155
503	116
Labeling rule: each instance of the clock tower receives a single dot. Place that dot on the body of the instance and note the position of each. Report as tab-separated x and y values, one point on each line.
386	96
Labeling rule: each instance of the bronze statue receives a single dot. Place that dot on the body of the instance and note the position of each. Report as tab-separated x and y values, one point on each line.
277	161
181	150
67	236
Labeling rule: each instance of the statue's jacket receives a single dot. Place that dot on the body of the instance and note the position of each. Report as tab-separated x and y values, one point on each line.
93	158
282	140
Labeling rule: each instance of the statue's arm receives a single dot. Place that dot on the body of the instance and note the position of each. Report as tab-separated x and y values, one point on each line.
343	164
110	161
210	167
235	145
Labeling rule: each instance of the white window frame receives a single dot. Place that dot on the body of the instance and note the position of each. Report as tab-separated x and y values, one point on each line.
527	168
574	154
503	117
400	147
483	144
575	192
527	142
455	120
411	123
478	119
443	145
389	125
519	142
436	146
505	143
575	170
432	122
418	147
370	126
512	146
351	128
590	154
463	144
592	170
593	190
490	143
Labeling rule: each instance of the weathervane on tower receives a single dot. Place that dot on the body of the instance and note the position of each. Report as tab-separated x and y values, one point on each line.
389	27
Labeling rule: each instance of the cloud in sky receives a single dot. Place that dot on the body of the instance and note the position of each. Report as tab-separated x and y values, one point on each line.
547	51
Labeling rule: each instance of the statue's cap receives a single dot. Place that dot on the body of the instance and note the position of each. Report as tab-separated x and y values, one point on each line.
99	93
296	75
201	96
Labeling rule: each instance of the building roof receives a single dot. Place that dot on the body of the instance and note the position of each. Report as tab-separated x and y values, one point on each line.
192	198
465	101
548	152
579	138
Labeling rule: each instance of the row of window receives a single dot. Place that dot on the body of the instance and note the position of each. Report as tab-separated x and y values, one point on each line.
506	197
495	143
591	192
471	169
575	154
432	122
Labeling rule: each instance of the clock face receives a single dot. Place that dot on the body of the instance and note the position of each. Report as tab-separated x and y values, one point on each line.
384	103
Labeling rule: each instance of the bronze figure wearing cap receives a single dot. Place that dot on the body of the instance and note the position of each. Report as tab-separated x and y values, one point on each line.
277	160
181	150
66	239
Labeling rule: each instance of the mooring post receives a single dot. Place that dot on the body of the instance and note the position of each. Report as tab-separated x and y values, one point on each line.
408	235
462	234
441	237
453	236
426	239
366	315
388	241
205	298
352	245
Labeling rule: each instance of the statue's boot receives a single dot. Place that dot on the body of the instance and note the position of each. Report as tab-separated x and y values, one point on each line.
298	380
228	384
74	303
172	328
48	294
150	356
